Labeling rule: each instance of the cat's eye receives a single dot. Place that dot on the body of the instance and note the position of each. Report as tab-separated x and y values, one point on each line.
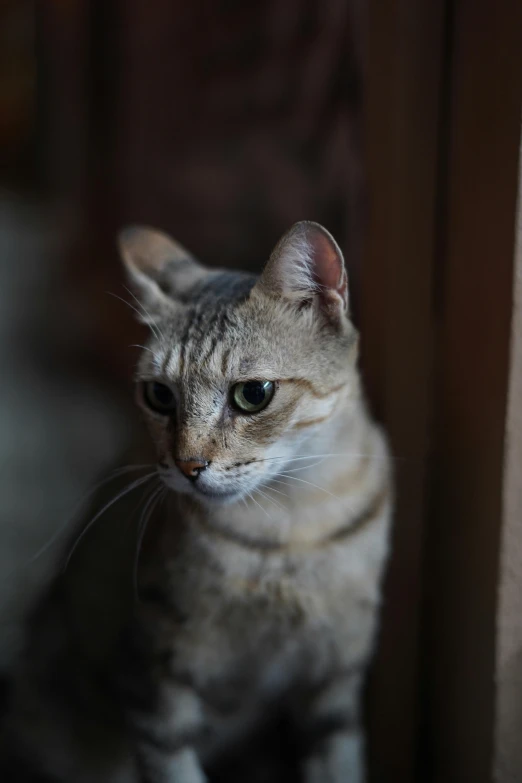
159	397
252	396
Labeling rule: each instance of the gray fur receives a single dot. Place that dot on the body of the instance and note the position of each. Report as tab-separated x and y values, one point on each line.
258	579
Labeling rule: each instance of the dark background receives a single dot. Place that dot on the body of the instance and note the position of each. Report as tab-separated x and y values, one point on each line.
221	122
397	125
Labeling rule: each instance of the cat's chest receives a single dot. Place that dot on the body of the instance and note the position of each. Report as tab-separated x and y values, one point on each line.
260	629
259	620
243	617
245	651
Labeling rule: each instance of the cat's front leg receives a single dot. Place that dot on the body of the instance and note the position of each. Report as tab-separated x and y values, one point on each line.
156	766
164	736
334	739
339	760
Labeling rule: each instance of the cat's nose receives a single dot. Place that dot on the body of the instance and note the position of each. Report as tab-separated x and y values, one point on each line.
191	468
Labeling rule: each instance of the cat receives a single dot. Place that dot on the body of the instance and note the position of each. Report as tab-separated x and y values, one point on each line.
250	586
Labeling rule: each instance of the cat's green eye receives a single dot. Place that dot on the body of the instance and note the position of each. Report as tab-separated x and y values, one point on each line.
252	396
159	397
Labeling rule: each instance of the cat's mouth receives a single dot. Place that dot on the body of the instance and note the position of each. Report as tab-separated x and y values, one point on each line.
198	488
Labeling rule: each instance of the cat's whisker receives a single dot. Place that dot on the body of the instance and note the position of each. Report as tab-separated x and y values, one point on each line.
285	483
138	313
126	469
250	495
272	500
316	486
272	489
155	487
121	494
121	299
306	467
326	456
145	311
147	511
296	459
146	348
306	456
57	533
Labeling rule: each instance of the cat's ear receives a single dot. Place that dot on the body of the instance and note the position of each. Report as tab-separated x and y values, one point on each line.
160	269
307	267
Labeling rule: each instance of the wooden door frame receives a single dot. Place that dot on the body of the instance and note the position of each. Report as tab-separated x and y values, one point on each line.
474	310
443	109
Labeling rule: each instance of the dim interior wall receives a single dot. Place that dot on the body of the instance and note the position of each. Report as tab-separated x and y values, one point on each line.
509	629
60	424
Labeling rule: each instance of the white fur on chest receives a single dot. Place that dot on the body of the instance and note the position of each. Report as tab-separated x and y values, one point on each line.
272	615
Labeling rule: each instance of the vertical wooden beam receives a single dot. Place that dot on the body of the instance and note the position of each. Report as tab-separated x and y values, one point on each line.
474	312
404	66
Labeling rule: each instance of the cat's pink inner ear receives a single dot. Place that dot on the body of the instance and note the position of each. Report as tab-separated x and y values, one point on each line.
306	262
327	263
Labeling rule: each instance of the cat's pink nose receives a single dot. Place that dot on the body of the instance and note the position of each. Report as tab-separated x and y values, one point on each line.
191	468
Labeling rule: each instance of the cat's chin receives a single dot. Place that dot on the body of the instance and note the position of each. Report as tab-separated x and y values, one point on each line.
215	497
210	496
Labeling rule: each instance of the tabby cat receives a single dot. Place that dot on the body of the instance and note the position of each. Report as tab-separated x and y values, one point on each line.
249	586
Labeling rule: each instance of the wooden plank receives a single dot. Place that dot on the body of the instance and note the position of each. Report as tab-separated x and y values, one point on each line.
472	373
404	64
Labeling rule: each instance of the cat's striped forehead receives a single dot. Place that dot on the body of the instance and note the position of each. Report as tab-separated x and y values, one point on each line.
204	331
291	321
220	332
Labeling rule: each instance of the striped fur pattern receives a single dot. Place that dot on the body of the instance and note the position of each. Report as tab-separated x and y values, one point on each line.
257	581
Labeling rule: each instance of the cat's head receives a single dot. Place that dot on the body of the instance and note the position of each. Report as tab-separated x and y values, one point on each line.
241	373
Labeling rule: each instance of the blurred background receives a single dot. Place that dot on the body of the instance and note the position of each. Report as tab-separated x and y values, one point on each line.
222	123
397	126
